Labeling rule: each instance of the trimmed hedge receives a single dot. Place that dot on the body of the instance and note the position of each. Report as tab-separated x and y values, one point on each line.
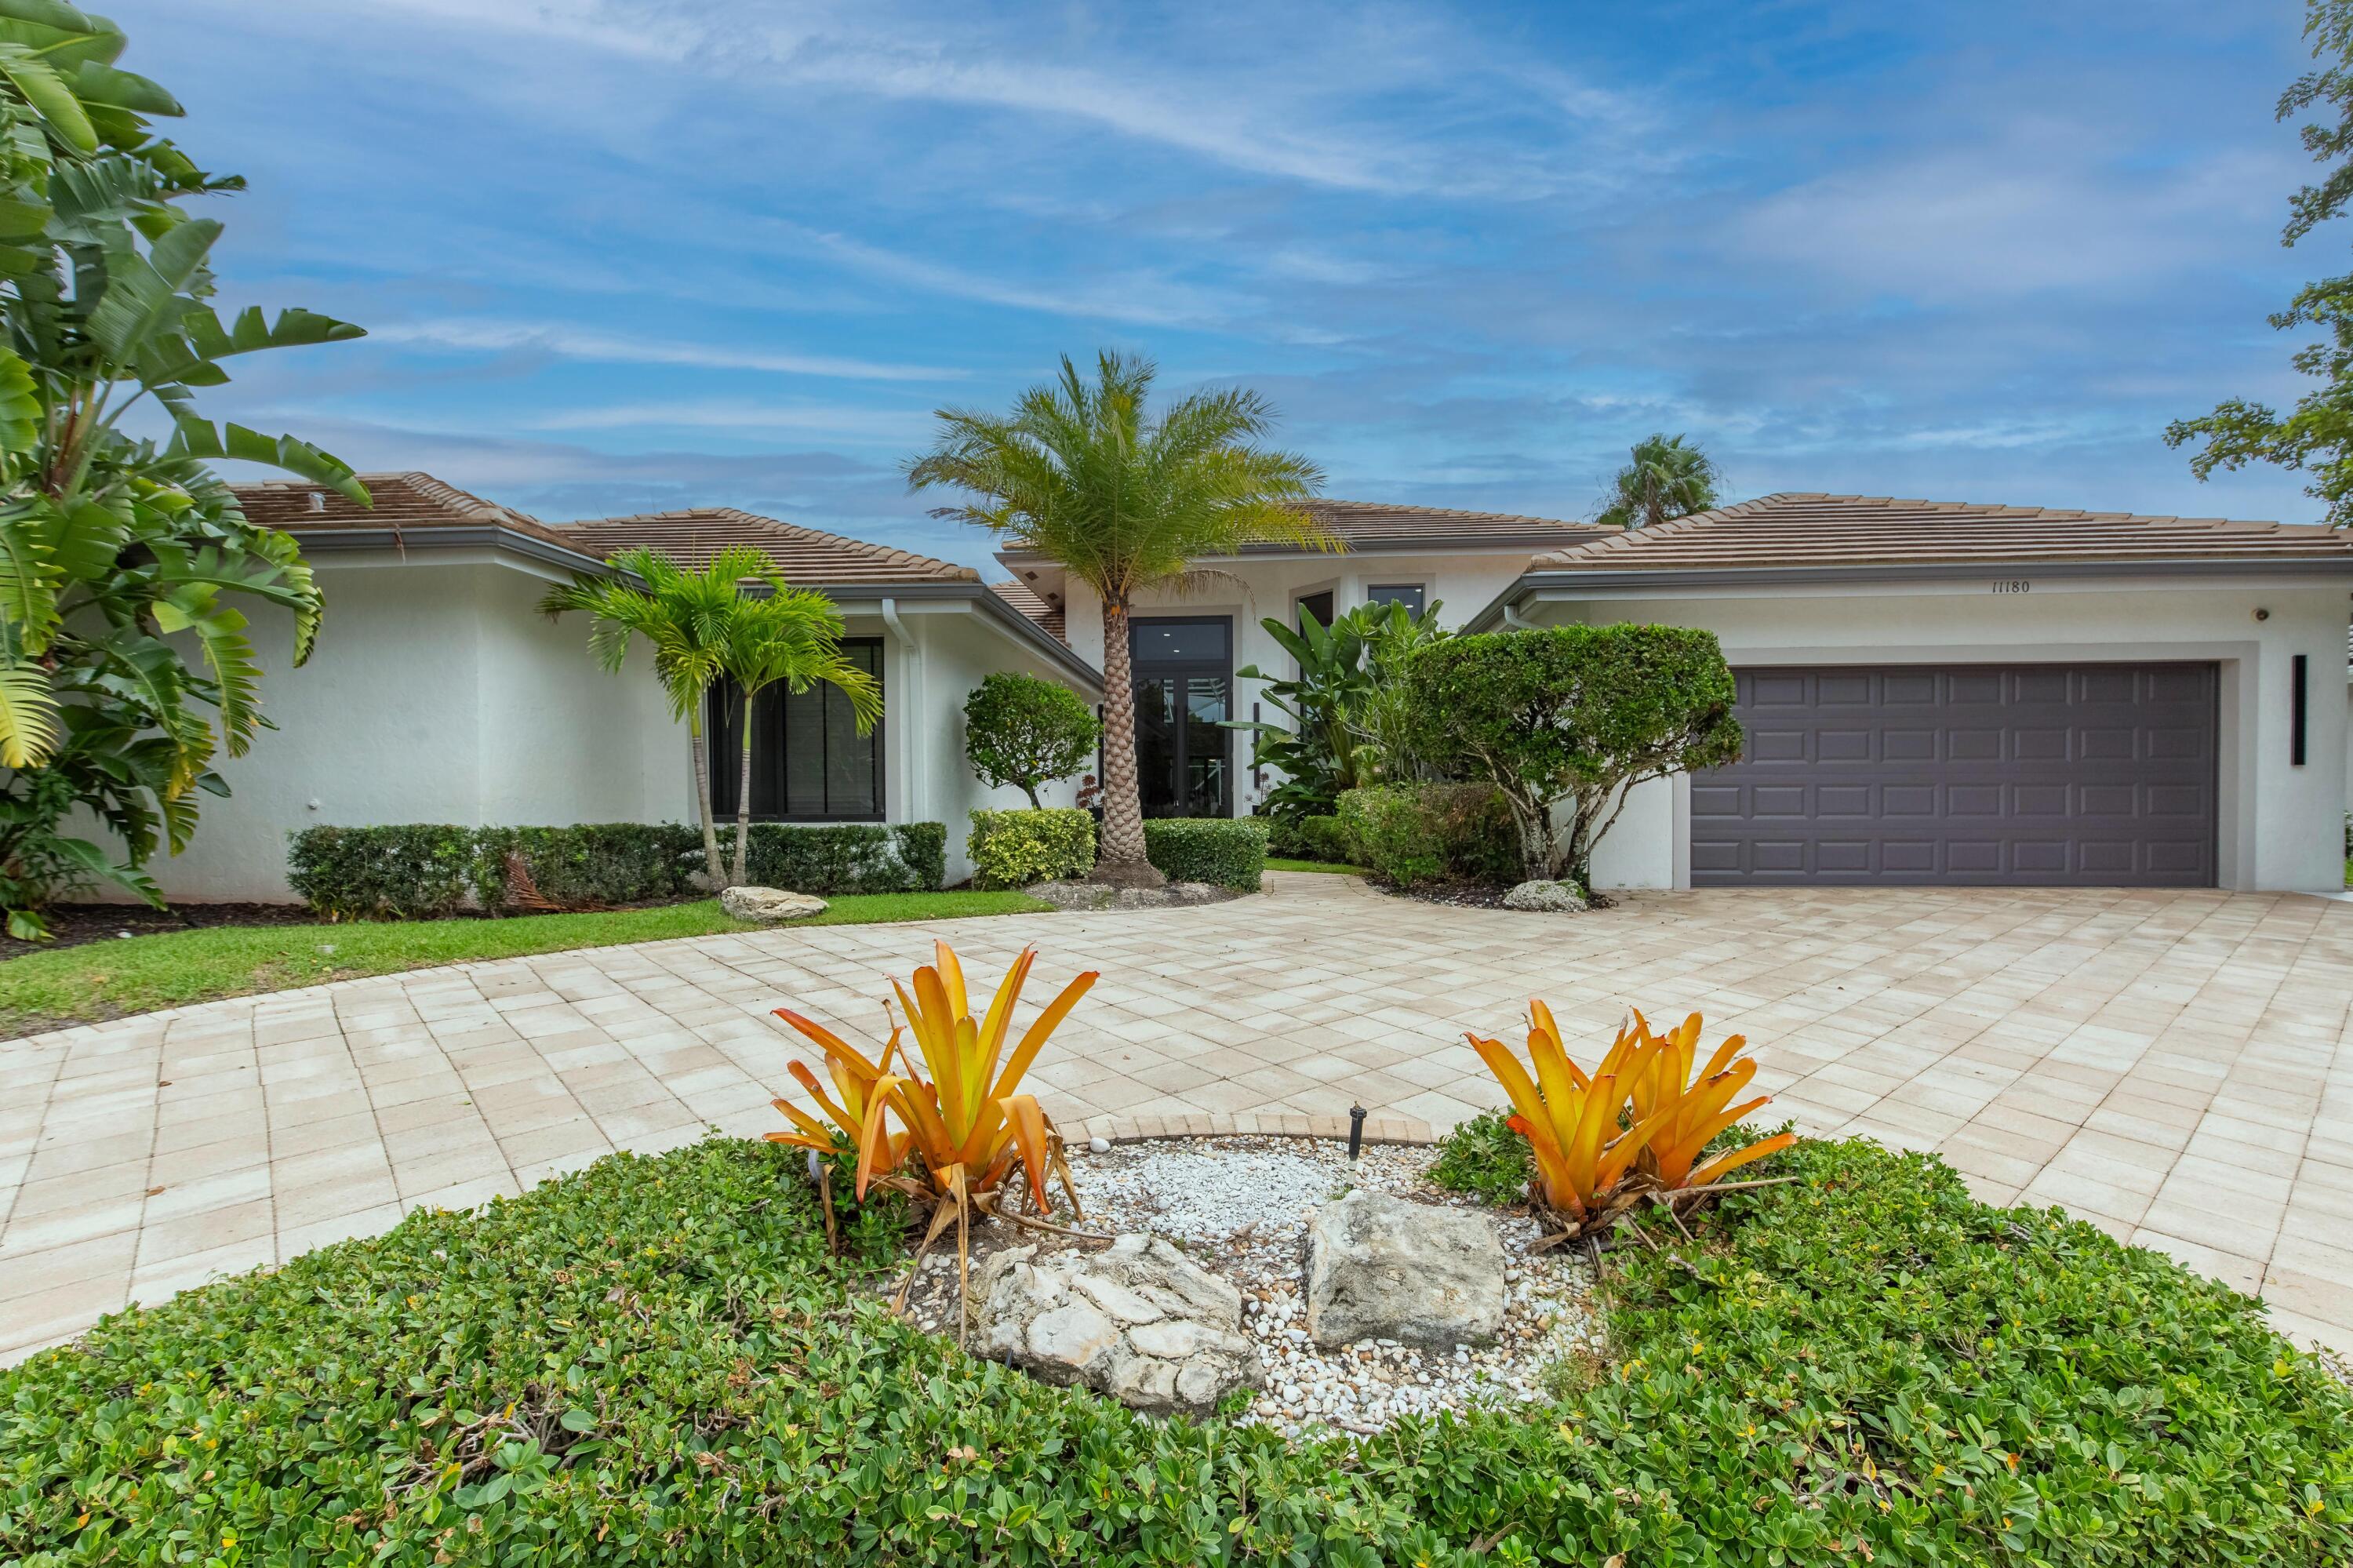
414	871
420	871
845	857
594	863
654	1362
1014	848
1413	834
1227	851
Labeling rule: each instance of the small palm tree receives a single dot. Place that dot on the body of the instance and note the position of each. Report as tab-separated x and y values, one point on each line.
792	637
1126	504
1668	478
704	628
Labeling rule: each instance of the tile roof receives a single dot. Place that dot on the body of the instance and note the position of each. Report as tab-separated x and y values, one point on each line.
1810	530
403	502
1025	599
1372	525
692	536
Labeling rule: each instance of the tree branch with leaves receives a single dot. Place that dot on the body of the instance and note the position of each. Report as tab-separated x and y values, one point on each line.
125	662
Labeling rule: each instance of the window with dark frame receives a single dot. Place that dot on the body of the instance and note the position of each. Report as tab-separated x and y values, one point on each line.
810	764
1413	595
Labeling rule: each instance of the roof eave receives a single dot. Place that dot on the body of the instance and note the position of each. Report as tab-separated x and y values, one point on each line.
1670	579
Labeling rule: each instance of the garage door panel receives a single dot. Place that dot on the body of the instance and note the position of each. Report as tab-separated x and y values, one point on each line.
2099	775
2038	800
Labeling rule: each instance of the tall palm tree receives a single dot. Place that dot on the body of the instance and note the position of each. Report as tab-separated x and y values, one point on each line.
1126	504
703	626
793	637
1669	478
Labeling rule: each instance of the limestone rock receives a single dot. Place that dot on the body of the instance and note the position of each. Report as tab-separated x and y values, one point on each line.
1088	895
1139	1321
766	906
1379	1267
1551	897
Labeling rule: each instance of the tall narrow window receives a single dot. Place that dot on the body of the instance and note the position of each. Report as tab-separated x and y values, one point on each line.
809	761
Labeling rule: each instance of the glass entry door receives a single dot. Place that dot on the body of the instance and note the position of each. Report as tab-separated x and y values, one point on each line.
1184	694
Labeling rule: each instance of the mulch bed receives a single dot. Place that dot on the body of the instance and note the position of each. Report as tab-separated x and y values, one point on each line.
71	925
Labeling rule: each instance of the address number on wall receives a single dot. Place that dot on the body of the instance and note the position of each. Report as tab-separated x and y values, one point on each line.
2013	585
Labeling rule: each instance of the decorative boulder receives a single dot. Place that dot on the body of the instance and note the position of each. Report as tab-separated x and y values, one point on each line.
767	906
1139	1322
1379	1267
1550	897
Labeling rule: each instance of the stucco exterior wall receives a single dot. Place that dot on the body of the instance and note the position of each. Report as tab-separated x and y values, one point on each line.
2279	826
434	694
949	649
1459	583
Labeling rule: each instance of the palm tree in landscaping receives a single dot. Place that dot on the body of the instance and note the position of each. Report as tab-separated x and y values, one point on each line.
1078	472
1668	478
789	637
703	627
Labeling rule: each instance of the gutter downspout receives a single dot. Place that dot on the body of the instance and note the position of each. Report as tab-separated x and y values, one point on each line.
912	712
1516	621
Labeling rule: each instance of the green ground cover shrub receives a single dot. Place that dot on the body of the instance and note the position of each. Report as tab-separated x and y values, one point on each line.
1414	834
1324	838
654	1360
1483	1158
1014	848
1223	851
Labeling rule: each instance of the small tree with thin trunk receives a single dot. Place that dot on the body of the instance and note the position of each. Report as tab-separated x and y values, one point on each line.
1027	733
703	627
1574	715
1127	504
789	637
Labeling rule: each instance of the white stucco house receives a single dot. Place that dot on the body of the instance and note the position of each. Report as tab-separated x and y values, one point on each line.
1933	693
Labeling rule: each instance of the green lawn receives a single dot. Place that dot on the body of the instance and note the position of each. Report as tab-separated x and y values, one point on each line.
140	974
1273	863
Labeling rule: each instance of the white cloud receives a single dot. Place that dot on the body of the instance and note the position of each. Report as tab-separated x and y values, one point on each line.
575	343
2026	214
884	427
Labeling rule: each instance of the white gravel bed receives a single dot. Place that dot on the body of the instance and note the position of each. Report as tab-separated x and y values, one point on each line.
1239	1206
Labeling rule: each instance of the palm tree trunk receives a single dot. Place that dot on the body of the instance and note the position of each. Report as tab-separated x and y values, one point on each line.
701	751
743	796
1122	858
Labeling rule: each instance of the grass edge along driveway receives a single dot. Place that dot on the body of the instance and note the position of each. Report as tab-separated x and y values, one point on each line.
98	980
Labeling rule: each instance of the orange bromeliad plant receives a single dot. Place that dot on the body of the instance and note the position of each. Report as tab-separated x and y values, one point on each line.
1630	1129
968	1127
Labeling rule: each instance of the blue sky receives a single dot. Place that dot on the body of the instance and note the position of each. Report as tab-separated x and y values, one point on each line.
618	255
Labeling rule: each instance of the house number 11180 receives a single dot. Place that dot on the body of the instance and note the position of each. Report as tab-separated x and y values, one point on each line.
2013	585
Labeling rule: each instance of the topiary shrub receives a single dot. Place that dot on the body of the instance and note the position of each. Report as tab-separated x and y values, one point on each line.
1022	732
1414	834
1579	716
1014	848
413	871
1225	852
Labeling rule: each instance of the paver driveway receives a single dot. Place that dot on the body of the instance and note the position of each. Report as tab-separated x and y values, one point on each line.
2173	1065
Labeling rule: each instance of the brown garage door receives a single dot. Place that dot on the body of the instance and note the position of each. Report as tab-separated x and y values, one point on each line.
2083	775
